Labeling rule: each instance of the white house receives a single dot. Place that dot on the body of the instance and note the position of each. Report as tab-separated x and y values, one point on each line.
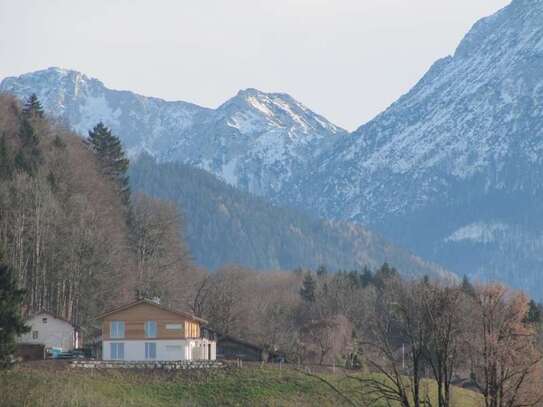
144	330
51	331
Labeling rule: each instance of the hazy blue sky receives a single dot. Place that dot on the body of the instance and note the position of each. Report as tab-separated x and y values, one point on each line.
345	59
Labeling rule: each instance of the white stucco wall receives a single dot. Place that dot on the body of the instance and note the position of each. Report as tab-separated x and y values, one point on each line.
166	350
201	349
55	333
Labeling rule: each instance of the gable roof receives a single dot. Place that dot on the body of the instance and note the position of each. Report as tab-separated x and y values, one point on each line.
185	315
227	338
42	312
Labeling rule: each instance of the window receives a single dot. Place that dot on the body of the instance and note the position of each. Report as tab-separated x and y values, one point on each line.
117	329
150	329
150	350
174	327
117	351
44	320
34	335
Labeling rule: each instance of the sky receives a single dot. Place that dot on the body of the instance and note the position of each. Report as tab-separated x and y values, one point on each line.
345	59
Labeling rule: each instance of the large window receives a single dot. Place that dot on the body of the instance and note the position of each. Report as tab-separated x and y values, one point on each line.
150	350
34	335
117	351
117	329
150	329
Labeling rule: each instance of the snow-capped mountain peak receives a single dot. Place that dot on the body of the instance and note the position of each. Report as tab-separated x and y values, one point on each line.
274	110
253	140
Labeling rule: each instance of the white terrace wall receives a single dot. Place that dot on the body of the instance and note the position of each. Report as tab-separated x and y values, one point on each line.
166	350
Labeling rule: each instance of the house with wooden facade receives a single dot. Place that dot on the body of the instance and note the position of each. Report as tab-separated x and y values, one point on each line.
144	330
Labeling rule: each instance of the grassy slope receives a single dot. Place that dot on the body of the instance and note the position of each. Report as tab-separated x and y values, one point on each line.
39	386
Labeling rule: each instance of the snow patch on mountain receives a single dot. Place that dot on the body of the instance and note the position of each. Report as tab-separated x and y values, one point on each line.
96	109
478	232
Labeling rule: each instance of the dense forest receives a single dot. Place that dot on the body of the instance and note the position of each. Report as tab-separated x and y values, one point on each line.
224	225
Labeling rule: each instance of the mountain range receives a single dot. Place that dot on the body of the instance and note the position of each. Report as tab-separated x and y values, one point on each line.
451	171
254	140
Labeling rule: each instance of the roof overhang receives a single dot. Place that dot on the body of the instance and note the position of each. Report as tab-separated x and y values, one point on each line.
185	315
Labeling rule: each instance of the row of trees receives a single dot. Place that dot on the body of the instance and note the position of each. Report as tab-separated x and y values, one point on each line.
420	329
485	337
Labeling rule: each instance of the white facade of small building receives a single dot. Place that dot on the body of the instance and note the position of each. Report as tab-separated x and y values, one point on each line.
166	350
52	332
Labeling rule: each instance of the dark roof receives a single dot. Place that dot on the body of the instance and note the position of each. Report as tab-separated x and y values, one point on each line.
240	341
154	304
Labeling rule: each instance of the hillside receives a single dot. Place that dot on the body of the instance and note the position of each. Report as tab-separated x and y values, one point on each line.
33	386
226	226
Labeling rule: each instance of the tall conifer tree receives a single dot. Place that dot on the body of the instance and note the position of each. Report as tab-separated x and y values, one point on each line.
309	286
6	160
29	157
32	107
110	154
11	320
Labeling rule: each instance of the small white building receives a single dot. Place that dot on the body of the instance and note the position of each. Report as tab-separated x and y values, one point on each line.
51	331
145	331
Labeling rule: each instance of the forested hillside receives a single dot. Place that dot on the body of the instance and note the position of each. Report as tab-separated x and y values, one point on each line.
226	226
67	231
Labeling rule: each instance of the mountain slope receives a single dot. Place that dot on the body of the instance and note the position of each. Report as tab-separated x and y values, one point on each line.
225	226
453	169
254	140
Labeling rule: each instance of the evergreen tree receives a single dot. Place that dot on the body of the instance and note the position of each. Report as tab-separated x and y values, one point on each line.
29	157
366	278
11	321
383	275
353	277
534	313
298	271
322	271
32	107
6	160
112	159
309	286
58	143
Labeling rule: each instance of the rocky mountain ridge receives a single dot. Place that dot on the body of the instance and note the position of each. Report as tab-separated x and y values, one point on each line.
254	140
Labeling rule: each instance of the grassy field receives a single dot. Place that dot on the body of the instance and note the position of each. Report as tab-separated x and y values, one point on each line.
50	384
